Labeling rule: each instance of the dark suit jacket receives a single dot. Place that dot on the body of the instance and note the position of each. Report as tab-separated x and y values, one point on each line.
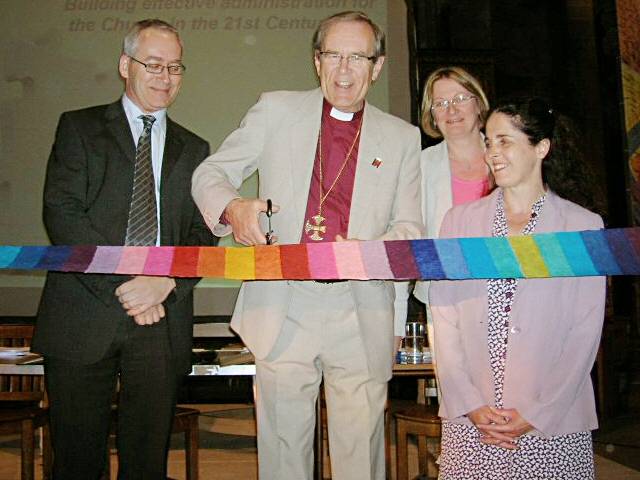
86	202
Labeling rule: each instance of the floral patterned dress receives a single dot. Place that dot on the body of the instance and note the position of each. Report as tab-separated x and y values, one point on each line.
464	457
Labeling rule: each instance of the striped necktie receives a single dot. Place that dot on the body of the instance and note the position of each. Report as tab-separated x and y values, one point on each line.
142	228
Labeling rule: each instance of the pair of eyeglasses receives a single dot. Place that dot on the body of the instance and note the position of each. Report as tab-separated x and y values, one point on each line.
459	99
353	59
156	68
269	235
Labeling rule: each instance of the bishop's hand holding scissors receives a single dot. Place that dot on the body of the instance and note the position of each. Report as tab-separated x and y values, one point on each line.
243	213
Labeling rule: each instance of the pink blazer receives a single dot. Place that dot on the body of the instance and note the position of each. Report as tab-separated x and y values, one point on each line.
554	332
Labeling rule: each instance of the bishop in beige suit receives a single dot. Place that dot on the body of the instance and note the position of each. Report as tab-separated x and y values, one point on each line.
336	169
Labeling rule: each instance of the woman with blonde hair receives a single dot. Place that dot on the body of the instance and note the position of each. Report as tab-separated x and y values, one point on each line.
454	108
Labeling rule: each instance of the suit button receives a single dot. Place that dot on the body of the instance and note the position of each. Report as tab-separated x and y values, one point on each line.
515	329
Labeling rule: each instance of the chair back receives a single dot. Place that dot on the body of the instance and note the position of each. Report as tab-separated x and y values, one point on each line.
19	388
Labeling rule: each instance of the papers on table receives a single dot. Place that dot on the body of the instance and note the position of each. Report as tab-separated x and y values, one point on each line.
18	355
13	351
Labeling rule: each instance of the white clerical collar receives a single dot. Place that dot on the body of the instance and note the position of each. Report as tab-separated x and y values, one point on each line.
339	115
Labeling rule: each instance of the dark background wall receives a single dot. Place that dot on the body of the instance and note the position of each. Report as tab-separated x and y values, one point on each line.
566	51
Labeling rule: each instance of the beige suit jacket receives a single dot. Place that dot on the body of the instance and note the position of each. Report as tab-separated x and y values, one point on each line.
437	199
278	138
555	326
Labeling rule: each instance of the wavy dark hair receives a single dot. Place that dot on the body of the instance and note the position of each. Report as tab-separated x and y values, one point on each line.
564	169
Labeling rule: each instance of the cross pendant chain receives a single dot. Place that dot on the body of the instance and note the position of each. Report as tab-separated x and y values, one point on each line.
314	231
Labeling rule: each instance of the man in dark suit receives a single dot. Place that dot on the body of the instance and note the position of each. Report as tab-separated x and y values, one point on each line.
119	174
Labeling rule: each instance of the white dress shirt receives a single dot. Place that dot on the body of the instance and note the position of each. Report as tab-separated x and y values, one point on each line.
158	135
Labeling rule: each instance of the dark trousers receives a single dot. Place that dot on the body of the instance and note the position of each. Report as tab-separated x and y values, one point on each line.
80	398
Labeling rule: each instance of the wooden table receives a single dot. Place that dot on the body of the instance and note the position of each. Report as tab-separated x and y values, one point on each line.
422	371
196	370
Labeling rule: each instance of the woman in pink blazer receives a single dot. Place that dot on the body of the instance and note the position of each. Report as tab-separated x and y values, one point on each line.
514	356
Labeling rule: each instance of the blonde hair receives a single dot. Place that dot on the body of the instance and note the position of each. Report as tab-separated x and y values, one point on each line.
464	78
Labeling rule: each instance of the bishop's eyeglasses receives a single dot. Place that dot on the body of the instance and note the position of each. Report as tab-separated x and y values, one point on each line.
353	59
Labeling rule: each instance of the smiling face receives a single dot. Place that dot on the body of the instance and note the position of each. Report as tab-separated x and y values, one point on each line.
149	91
343	85
455	120
513	160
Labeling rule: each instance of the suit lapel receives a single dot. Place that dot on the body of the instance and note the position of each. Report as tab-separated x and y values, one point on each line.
367	175
304	139
173	146
118	126
551	217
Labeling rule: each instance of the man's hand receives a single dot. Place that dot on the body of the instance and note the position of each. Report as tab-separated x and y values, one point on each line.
150	316
242	214
141	293
505	434
340	238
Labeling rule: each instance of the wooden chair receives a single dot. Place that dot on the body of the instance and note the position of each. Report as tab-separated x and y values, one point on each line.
21	410
185	421
423	422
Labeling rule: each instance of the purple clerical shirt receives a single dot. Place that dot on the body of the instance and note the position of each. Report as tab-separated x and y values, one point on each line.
337	138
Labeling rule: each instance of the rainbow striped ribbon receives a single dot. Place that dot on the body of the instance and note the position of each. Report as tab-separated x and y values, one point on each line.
561	254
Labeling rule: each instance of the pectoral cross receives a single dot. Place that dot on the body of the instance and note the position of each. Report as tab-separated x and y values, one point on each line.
316	229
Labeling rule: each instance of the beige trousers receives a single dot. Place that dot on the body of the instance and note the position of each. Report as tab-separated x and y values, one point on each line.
320	339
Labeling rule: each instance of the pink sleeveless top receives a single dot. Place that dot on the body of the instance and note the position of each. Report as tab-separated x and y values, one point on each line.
468	190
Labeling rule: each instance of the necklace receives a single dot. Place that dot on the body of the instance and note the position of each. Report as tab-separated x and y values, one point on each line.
316	229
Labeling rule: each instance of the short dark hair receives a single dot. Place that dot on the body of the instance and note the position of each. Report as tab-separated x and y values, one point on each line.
350	16
130	42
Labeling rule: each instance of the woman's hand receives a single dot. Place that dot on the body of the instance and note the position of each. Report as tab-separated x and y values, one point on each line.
505	433
484	416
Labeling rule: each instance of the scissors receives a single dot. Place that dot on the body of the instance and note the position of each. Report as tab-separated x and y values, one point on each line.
269	235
